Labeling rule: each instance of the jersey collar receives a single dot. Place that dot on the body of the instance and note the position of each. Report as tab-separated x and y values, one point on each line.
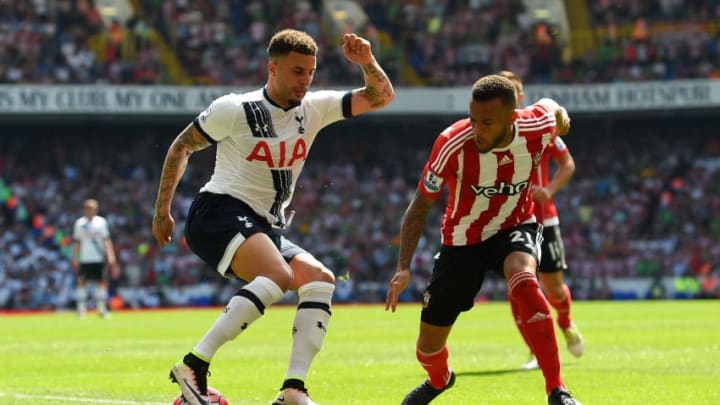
272	102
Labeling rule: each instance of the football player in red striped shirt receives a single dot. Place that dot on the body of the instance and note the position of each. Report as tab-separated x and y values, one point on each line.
486	161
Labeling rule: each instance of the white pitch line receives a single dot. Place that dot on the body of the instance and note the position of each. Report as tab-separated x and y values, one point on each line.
78	399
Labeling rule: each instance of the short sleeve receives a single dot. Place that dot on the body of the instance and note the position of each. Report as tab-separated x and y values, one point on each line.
557	148
76	231
433	174
331	105
217	121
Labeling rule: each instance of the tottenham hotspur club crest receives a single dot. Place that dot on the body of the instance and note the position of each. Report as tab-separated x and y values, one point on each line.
299	119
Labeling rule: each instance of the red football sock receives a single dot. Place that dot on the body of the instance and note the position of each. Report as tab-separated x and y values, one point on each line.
538	325
563	308
516	317
436	365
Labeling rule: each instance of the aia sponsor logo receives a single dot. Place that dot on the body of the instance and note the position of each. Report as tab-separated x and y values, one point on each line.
501	189
280	155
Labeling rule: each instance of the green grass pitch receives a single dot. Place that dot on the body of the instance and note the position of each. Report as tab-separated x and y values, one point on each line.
664	352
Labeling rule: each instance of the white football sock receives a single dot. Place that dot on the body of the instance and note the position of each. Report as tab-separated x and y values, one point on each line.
310	326
244	308
81	300
101	299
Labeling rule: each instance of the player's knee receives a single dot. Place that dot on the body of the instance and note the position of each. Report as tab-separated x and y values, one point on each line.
317	273
556	293
519	261
326	275
311	270
287	278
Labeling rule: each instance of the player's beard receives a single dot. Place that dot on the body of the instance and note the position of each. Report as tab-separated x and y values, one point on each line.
505	138
293	99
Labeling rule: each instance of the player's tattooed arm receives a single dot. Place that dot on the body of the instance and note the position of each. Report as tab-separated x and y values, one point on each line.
188	141
378	91
413	225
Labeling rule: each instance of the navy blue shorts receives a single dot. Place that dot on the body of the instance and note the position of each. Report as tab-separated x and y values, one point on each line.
459	271
218	223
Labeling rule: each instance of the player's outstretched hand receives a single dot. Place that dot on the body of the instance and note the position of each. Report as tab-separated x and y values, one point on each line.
162	228
357	49
396	286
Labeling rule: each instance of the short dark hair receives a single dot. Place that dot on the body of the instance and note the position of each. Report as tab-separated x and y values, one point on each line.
495	86
289	40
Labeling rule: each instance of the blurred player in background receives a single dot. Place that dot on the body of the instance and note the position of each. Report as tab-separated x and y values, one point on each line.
92	248
486	162
263	138
552	262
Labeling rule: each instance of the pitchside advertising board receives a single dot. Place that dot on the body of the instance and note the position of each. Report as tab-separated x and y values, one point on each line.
102	100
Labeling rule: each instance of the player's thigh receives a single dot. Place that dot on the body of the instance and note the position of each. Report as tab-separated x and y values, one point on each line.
305	267
258	256
517	249
228	235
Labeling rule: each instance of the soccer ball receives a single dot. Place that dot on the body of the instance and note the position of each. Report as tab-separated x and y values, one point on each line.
216	398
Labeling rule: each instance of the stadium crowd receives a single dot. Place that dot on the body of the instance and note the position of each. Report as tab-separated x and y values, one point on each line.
633	209
440	43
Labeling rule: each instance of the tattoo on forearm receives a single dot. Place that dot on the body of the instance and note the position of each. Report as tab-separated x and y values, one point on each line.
176	161
192	139
413	226
376	99
377	85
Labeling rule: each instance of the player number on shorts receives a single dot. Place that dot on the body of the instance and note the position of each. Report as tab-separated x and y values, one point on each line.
524	238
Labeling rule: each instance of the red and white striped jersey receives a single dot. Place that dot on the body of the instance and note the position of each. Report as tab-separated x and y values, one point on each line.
488	192
546	213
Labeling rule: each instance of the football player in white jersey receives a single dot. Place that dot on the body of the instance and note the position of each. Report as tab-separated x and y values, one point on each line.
263	138
92	248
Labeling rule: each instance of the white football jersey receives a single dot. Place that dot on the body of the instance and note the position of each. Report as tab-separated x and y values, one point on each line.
91	234
262	148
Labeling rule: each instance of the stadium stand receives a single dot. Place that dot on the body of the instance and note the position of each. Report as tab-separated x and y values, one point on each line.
436	43
635	209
